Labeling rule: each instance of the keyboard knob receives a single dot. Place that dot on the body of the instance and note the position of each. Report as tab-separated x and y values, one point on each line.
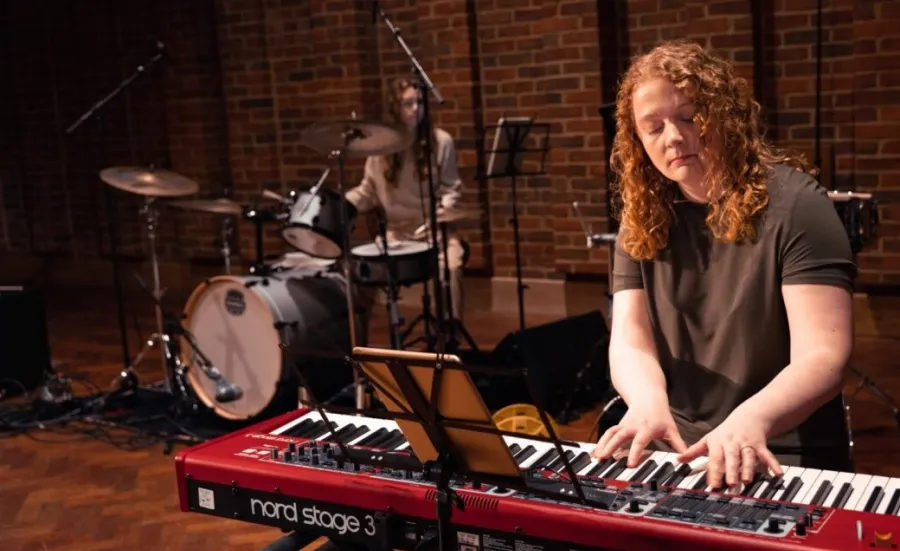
773	526
800	529
288	457
274	454
654	485
314	460
292	447
634	506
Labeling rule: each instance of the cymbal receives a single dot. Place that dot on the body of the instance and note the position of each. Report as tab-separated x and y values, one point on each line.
366	137
214	206
149	182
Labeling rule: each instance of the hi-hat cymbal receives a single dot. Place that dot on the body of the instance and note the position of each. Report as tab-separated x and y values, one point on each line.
149	182
356	137
214	206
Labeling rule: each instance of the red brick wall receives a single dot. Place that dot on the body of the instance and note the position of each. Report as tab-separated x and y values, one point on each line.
245	77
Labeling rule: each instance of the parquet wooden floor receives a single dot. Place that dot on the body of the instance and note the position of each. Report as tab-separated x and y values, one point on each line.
62	492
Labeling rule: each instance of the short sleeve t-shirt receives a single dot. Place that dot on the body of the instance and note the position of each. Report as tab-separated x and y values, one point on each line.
717	313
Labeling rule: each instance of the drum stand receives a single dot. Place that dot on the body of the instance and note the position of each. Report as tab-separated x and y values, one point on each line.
127	379
362	388
395	319
227	233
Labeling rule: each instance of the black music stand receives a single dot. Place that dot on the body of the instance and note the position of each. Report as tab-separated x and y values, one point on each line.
450	430
506	160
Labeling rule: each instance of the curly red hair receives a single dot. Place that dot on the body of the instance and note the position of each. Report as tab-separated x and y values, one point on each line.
738	172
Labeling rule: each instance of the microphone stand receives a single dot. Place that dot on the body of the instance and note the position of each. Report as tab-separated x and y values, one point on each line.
425	85
110	200
395	319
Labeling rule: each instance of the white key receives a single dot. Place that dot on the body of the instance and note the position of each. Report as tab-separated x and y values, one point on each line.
859	483
874	482
628	472
690	480
892	486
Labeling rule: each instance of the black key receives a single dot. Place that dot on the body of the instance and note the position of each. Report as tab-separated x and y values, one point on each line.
772	487
524	454
514	449
394	442
374	435
600	467
680	474
662	472
320	430
791	491
581	461
874	499
557	463
353	435
618	468
545	459
300	428
843	495
894	503
380	442
750	489
819	496
336	435
643	471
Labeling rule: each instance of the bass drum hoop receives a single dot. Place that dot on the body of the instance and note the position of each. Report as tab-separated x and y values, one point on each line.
198	380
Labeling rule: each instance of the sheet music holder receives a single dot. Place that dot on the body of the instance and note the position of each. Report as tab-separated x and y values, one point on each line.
451	432
507	157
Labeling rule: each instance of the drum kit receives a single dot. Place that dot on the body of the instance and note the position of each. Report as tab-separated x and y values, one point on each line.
249	345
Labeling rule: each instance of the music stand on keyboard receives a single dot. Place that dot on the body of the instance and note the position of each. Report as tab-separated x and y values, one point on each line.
451	432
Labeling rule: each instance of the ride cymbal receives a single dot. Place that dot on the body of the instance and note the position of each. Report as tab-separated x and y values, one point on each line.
356	137
149	182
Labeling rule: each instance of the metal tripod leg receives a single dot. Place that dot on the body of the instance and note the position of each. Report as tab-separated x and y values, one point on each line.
866	382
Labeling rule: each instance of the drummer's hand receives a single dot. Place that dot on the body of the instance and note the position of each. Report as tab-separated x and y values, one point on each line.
641	424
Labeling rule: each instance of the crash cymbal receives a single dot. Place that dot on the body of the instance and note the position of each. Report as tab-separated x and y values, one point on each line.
214	206
364	137
149	182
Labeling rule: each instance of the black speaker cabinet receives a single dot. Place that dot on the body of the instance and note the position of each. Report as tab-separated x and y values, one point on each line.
24	345
567	360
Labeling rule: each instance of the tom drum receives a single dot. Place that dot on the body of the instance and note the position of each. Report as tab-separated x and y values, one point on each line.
314	224
254	328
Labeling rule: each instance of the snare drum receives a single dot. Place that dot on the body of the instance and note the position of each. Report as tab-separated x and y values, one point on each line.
314	223
254	328
413	263
859	213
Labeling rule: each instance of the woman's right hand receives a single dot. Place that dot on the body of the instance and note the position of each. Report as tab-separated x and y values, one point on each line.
641	424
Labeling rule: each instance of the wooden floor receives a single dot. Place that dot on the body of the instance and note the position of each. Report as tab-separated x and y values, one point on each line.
64	492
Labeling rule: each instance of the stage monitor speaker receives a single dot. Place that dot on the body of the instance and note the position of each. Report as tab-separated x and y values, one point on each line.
567	360
24	345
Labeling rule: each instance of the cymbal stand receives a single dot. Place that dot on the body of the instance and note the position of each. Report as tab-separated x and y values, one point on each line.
454	324
127	379
361	387
227	233
395	319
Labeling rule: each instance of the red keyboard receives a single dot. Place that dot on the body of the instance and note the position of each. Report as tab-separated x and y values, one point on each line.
284	473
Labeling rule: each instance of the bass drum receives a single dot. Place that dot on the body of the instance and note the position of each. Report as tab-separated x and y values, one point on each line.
254	329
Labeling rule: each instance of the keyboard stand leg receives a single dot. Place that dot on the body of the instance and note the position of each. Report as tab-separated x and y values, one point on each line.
866	382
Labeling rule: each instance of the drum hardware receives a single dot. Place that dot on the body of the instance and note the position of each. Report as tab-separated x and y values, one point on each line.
859	214
259	217
338	140
158	54
220	205
395	319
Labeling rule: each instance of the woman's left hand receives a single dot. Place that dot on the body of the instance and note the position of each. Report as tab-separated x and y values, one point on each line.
733	450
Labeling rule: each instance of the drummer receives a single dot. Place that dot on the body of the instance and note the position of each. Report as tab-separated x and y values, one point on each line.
398	183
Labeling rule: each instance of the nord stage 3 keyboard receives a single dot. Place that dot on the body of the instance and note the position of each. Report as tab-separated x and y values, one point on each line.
283	473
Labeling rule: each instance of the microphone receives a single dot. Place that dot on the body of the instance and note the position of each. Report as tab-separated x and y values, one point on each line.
227	392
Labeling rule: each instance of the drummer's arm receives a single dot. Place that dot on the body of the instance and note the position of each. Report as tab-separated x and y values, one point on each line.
364	196
450	189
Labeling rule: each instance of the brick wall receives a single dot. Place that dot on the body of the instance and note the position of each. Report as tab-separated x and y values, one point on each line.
246	76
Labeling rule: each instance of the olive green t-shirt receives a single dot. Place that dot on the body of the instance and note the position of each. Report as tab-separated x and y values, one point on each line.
718	316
